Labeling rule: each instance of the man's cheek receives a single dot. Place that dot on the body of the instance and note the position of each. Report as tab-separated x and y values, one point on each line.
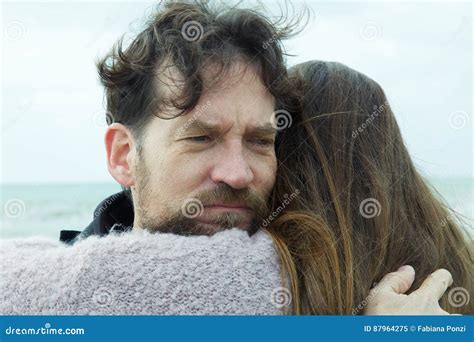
271	177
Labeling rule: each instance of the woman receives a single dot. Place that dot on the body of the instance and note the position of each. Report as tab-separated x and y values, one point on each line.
362	209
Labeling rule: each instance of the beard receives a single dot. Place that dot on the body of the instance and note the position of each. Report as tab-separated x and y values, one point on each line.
182	220
182	225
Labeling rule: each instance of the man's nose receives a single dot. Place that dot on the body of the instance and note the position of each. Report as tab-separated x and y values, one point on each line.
231	166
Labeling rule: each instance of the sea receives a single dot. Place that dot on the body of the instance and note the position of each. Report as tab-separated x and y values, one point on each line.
45	209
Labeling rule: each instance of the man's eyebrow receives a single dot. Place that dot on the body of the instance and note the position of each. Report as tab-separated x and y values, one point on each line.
202	125
266	129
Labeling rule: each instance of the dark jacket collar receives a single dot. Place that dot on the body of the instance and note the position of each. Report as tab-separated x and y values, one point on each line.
115	213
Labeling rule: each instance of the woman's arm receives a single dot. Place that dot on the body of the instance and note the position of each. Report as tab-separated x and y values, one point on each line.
139	273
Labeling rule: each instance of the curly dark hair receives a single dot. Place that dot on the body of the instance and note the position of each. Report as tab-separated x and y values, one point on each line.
188	37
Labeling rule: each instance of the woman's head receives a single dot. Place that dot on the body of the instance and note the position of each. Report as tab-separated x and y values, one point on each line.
362	210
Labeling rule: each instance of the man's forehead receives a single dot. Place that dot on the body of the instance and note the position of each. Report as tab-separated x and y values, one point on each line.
215	80
205	118
241	98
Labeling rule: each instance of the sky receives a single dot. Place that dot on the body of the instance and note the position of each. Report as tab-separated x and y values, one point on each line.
52	108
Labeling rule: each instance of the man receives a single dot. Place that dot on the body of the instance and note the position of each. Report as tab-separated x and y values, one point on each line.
192	105
175	141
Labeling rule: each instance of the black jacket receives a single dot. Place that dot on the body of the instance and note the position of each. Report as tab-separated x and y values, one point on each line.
115	213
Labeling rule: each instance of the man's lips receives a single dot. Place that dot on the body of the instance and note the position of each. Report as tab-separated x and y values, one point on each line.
224	208
211	212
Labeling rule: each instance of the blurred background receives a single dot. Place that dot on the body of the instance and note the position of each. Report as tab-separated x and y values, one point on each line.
53	170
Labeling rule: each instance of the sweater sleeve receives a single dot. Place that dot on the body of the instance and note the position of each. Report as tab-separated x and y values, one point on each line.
139	273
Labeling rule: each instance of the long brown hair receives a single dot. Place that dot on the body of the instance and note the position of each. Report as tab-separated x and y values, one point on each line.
362	208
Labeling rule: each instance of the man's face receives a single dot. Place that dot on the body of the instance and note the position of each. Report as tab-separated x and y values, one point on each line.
214	167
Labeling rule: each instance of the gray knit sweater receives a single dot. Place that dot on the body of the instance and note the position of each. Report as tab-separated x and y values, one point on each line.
139	273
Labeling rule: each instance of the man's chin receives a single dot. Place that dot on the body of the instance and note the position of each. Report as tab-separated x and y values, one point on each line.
182	225
189	227
216	223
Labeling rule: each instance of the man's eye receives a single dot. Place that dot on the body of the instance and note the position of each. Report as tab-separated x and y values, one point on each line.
200	138
263	142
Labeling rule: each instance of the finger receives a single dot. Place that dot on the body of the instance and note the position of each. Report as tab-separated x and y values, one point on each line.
436	284
398	282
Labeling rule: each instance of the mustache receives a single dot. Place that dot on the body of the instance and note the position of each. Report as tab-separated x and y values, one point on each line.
181	224
225	194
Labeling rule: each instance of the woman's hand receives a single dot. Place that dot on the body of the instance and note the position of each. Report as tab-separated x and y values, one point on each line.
388	298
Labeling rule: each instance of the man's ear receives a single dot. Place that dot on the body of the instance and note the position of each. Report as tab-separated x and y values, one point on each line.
121	154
